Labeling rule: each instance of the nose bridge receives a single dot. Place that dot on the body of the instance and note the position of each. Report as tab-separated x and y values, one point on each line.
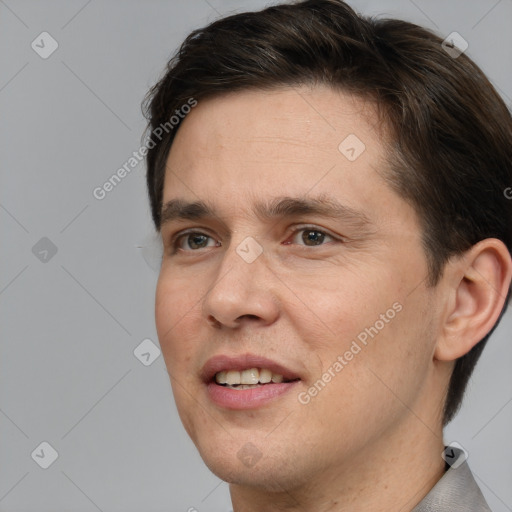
239	290
243	254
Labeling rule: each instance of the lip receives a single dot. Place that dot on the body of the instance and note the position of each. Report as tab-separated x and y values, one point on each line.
246	398
243	362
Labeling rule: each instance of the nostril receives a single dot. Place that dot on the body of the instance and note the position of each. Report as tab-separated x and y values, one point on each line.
215	323
251	317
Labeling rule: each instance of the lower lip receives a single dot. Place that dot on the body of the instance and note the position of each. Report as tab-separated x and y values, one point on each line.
247	398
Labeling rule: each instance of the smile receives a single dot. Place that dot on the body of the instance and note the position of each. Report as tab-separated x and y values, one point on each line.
246	381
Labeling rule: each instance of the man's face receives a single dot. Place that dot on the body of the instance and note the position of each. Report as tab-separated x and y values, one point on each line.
338	301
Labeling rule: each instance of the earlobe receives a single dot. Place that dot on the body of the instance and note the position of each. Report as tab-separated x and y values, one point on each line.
480	281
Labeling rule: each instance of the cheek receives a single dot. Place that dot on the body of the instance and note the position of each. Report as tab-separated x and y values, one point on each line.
174	310
376	329
175	298
389	371
175	313
334	314
165	313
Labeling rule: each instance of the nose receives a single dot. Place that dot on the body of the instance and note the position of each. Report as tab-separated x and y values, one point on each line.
242	293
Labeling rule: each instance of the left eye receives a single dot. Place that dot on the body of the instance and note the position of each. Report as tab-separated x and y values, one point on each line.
311	237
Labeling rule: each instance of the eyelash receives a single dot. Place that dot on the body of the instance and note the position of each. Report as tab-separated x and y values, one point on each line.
176	238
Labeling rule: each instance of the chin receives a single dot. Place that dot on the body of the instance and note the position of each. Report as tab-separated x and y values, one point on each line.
260	477
273	473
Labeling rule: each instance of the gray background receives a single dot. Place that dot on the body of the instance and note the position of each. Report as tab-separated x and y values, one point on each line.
70	323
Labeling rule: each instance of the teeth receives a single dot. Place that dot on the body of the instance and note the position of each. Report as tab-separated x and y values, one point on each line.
244	386
247	377
250	376
221	377
233	377
265	376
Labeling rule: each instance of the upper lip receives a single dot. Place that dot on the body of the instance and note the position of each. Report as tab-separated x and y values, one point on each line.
243	362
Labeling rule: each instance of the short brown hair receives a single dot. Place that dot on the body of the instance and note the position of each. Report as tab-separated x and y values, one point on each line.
451	151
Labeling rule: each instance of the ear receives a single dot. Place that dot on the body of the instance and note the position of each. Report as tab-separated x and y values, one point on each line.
477	285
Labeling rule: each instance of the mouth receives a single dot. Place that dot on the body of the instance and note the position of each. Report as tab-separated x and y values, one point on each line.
249	379
246	381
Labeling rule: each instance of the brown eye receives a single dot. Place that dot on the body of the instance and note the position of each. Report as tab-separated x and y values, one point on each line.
312	237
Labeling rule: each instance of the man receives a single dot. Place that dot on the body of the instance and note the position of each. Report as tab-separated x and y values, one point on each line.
337	236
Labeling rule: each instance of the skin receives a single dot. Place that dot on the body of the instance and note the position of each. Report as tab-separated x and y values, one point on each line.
371	439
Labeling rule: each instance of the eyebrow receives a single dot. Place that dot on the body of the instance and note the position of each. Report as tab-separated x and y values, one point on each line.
279	207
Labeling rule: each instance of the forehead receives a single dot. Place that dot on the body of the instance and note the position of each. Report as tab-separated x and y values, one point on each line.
298	116
259	144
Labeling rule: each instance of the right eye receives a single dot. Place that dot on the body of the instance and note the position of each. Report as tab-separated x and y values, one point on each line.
193	239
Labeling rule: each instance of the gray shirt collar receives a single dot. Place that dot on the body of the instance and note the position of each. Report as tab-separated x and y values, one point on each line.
456	491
